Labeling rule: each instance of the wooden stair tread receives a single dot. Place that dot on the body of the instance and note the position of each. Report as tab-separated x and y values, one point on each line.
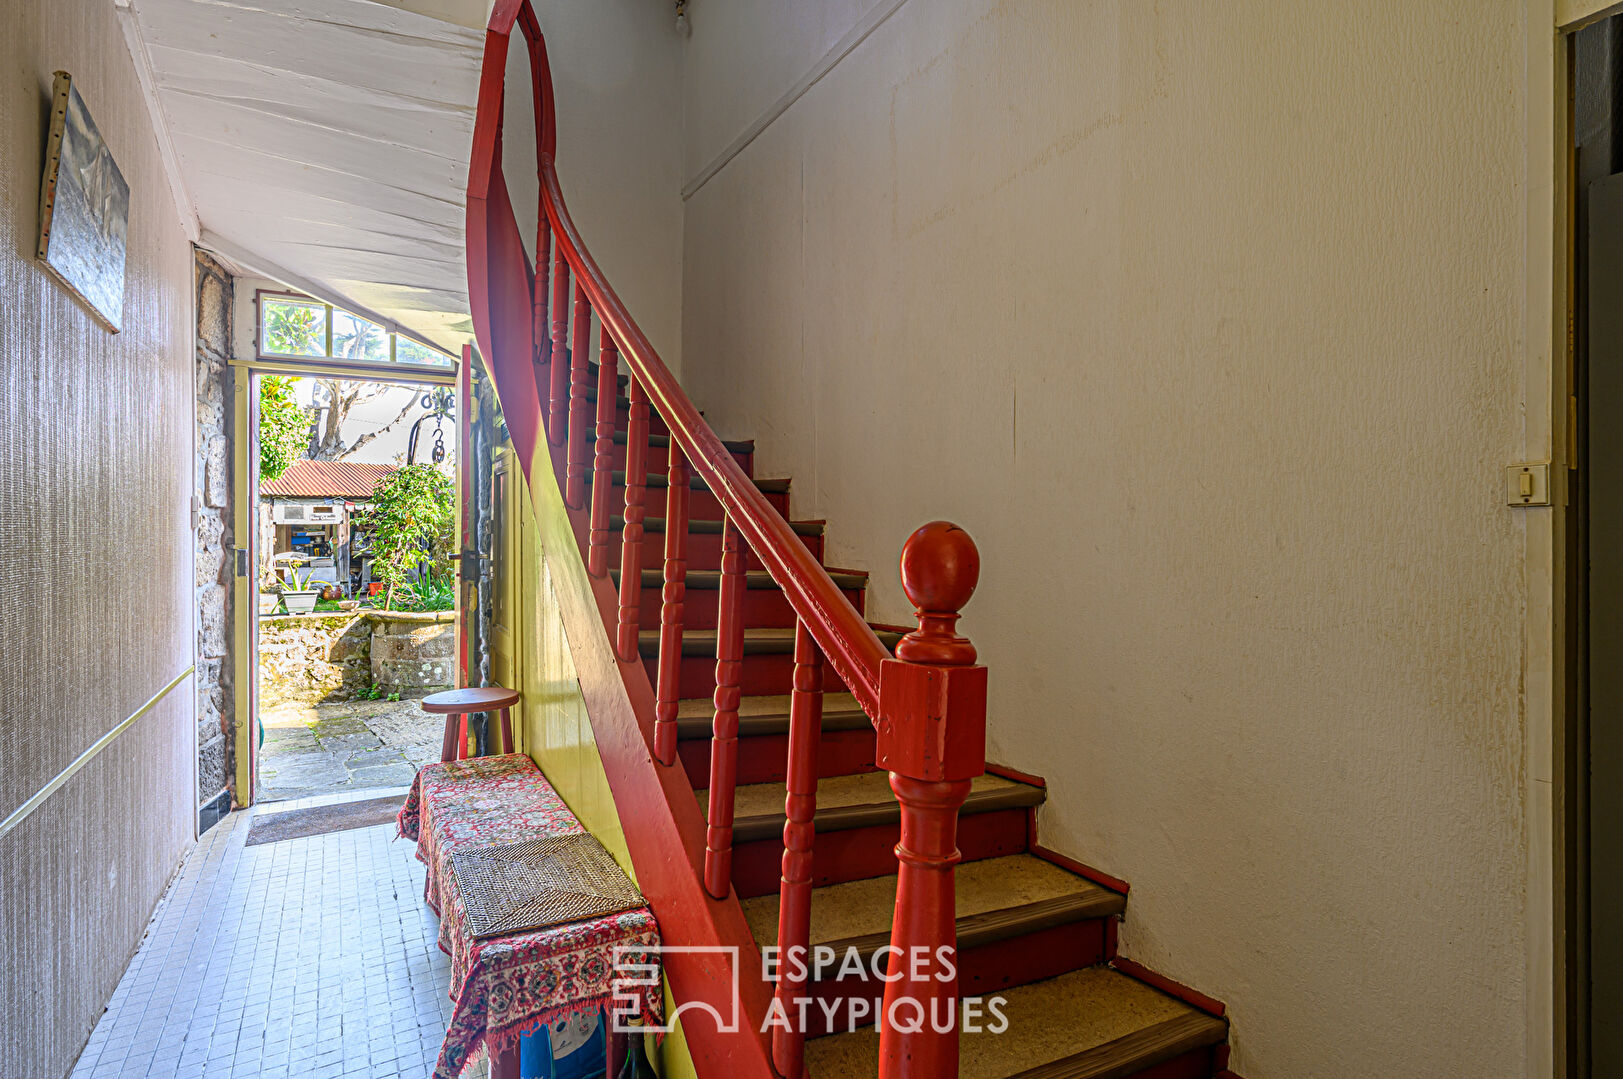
710	579
664	441
857	801
766	715
776	640
701	526
659	480
1094	1023
997	898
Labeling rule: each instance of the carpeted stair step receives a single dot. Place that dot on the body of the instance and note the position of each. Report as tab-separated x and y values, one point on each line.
704	540
1094	1023
764	601
658	459
857	826
768	660
1020	920
701	502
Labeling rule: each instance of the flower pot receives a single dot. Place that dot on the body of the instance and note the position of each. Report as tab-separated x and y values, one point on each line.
268	602
300	602
374	588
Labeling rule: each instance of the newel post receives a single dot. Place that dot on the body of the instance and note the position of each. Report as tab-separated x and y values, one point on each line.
932	740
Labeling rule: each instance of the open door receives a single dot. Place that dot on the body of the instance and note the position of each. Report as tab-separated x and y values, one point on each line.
467	622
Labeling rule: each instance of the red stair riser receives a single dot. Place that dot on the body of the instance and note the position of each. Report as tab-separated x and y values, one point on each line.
861	853
658	464
982	972
764	608
761	758
764	675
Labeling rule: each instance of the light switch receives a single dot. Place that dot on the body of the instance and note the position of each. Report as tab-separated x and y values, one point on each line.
1528	484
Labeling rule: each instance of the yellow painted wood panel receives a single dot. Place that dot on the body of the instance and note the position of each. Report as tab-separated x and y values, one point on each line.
553	727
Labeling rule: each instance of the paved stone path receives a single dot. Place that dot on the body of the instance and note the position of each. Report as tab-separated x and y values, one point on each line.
330	748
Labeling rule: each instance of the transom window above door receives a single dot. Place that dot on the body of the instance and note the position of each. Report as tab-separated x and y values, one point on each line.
292	326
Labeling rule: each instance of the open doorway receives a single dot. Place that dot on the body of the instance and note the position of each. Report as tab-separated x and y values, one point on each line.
351	535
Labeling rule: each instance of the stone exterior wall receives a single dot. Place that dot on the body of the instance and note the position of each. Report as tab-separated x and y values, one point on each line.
216	720
313	657
413	653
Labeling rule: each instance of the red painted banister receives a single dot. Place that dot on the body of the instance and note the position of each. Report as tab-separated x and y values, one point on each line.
846	639
928	703
799	832
673	606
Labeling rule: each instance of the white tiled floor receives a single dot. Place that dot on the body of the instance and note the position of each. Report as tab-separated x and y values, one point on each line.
312	958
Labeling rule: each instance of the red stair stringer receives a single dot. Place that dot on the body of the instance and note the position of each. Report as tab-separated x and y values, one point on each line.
667	842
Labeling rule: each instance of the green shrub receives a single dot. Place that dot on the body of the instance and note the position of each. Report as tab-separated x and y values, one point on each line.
412	526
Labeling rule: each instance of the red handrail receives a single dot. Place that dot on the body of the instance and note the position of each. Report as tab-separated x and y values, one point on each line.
846	639
928	703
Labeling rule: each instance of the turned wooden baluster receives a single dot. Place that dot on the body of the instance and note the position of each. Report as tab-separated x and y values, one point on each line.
538	301
558	382
577	454
932	740
608	388
673	608
799	809
631	537
718	843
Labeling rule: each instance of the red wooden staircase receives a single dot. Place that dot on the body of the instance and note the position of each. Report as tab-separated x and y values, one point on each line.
788	775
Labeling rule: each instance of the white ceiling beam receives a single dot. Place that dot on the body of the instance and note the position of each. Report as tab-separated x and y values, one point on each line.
252	263
185	208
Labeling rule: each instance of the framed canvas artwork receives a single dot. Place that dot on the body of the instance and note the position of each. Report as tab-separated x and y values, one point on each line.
84	207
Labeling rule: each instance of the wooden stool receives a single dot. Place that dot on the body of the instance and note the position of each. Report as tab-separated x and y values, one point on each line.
455	704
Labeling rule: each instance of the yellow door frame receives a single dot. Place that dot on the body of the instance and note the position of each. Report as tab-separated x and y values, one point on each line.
245	529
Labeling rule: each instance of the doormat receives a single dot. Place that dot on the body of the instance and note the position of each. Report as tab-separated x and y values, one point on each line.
319	820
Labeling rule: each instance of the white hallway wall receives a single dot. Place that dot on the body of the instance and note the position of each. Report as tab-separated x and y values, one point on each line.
1206	321
617	77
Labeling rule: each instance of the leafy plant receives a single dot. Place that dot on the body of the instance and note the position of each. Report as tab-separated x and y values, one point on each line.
395	696
411	524
297	583
374	692
295	329
284	426
430	592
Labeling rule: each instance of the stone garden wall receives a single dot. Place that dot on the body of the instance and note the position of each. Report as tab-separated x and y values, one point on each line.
314	657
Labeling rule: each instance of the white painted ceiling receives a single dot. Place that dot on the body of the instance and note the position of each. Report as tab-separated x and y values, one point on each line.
325	142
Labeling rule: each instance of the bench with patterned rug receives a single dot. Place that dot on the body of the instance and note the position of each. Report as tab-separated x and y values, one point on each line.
521	958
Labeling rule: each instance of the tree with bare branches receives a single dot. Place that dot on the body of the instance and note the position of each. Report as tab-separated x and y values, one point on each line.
335	400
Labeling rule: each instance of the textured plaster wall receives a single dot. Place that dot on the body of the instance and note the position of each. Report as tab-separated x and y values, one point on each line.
96	548
215	559
1205	320
617	74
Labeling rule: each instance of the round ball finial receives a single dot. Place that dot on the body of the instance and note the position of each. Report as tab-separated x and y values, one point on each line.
940	567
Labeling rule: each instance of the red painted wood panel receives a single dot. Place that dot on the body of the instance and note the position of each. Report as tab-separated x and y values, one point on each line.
860	853
763	758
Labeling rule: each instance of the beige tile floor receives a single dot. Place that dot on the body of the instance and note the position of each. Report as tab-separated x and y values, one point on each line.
308	957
